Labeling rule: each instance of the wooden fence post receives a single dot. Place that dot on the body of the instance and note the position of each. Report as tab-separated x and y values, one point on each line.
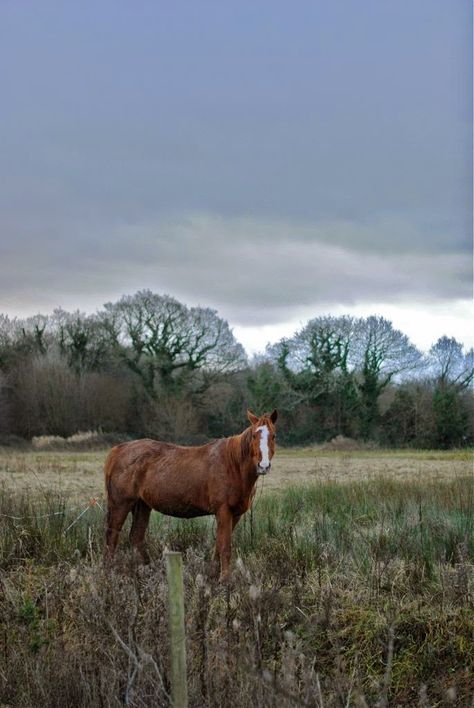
179	685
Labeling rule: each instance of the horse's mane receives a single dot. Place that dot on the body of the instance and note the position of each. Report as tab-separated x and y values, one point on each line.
239	446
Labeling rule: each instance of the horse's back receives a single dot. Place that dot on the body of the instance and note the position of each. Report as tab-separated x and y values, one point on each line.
132	453
126	462
130	461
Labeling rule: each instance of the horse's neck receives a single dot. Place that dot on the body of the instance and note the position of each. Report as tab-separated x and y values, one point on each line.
239	448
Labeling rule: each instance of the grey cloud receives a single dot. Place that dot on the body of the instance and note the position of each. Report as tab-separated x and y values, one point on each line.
349	147
253	271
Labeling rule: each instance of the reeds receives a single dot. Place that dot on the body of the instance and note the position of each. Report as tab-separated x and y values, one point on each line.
355	594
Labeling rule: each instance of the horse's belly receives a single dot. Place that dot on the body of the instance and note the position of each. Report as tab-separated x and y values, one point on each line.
175	496
188	512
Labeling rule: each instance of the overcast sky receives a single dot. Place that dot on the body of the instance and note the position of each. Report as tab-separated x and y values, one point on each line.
274	160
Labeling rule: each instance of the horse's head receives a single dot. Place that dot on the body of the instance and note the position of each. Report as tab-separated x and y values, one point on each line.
262	446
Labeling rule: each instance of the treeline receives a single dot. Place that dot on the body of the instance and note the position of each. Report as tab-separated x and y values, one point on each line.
147	365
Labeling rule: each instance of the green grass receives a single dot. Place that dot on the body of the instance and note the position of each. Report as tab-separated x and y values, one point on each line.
329	580
84	456
461	454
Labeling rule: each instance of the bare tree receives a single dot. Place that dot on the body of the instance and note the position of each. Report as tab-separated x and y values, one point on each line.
450	364
7	337
20	338
159	338
4	404
320	347
315	362
343	365
82	339
381	354
453	372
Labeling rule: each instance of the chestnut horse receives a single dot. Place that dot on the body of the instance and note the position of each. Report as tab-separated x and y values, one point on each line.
218	478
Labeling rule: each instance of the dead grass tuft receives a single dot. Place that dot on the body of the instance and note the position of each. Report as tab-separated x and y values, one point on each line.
342	444
354	594
85	440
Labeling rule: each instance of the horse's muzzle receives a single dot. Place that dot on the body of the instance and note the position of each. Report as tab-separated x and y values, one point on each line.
263	470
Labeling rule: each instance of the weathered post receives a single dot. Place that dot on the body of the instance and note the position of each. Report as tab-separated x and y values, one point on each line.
179	685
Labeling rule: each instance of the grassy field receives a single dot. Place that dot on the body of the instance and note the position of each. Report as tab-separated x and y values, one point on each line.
352	586
79	474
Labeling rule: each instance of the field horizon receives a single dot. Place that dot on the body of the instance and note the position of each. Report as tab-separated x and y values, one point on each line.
79	473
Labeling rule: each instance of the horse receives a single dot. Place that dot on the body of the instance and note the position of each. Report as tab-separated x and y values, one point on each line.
218	479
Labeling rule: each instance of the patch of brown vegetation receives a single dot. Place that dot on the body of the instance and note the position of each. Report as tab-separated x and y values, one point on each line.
83	440
342	444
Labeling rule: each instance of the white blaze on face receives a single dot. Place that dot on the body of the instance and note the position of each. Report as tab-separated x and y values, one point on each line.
264	433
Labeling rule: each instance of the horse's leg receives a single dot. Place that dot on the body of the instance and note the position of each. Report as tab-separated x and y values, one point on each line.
223	540
116	516
235	521
141	517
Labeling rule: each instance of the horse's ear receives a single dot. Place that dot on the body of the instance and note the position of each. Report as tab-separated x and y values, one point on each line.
252	418
274	416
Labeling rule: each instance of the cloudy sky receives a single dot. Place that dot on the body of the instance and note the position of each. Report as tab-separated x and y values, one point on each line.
274	160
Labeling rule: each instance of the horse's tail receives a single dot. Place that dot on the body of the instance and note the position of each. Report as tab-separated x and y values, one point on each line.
109	468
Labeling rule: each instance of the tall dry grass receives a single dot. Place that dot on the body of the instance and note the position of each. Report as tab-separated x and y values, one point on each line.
356	594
